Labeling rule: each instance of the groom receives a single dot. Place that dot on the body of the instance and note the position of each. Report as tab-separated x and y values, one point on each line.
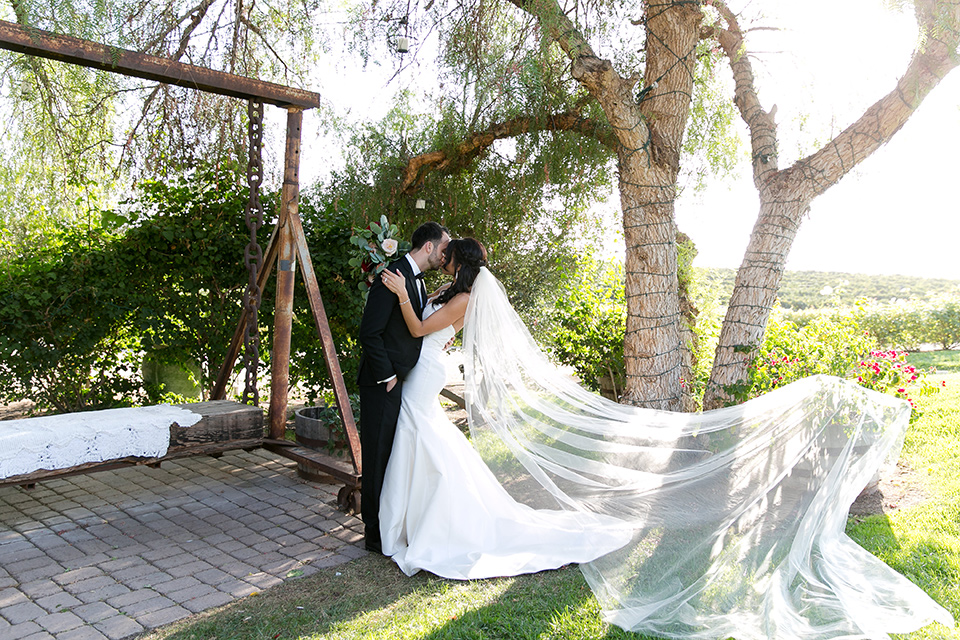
389	353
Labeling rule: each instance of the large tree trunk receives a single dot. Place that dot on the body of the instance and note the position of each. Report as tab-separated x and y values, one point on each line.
647	180
754	294
785	195
649	129
651	344
653	350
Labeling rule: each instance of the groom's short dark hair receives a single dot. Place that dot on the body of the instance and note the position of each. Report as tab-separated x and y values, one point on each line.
428	232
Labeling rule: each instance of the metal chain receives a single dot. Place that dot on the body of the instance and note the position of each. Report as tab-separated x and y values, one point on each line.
253	254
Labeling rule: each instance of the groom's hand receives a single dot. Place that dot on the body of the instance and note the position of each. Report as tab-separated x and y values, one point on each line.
391	383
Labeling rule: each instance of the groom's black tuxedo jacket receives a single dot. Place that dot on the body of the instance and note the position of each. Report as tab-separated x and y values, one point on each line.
388	347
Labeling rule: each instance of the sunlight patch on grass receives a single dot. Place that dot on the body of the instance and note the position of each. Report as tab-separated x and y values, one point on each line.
422	612
922	542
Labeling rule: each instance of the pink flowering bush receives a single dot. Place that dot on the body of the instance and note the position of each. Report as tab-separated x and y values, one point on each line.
834	345
827	344
889	372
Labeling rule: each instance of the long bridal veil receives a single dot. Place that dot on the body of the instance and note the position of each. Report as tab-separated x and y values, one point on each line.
737	514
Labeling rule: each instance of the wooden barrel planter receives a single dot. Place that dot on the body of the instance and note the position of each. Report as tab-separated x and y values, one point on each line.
312	429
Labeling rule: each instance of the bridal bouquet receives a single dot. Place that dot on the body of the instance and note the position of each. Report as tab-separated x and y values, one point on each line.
376	246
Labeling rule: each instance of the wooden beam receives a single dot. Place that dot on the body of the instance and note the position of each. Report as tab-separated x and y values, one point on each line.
286	275
221	421
325	463
326	339
54	46
214	449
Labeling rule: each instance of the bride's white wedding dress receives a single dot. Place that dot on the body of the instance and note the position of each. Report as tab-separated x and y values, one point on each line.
442	510
736	517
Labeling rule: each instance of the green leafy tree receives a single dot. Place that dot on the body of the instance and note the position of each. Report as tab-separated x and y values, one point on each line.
64	342
645	98
943	322
165	282
75	138
182	249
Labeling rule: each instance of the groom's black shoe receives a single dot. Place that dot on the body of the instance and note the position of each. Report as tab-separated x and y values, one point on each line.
371	545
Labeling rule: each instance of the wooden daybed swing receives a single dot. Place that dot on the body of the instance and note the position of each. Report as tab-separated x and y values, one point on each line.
225	425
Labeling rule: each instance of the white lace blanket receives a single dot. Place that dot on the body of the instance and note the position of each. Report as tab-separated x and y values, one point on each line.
62	441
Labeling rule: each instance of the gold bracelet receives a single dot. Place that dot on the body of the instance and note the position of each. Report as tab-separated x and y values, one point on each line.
405	302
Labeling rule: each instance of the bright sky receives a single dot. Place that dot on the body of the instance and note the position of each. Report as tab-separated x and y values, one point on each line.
895	214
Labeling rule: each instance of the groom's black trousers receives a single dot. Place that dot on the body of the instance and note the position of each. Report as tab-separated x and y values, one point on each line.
379	412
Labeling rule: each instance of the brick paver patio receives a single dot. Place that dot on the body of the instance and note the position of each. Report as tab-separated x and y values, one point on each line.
114	553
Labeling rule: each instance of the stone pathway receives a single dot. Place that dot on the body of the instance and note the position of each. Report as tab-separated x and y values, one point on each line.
115	553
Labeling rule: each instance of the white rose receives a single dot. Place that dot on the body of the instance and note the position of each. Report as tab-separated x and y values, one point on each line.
390	246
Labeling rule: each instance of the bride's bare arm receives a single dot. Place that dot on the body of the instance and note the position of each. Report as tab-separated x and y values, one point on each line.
451	313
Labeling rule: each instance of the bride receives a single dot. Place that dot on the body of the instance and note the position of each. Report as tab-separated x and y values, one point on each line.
441	509
728	523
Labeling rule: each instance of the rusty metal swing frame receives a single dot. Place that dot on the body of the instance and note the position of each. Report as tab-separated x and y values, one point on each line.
287	247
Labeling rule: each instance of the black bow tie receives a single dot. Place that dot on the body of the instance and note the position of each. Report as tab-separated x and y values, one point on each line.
420	275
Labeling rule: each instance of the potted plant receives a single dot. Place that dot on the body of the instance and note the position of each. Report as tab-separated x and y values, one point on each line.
319	427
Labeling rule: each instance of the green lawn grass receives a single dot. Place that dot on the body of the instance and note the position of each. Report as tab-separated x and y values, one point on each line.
369	597
923	542
945	362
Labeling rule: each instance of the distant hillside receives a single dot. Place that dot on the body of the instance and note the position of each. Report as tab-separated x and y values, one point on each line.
814	289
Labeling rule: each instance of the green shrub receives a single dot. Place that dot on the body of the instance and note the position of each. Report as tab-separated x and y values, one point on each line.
182	254
831	344
898	325
163	277
835	344
65	341
942	321
589	322
910	324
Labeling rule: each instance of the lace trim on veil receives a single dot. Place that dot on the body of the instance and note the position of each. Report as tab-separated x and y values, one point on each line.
738	514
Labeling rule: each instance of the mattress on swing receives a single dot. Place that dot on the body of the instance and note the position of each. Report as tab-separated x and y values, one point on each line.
71	439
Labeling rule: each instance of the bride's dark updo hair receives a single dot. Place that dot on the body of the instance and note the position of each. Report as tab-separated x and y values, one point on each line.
467	256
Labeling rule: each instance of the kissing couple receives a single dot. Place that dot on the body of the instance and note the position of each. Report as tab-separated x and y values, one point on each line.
727	523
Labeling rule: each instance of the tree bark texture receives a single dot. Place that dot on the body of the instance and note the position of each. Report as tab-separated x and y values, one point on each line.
653	344
785	195
649	127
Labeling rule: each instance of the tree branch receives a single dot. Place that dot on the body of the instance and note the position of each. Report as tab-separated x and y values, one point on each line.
597	75
558	27
418	167
939	24
196	14
256	31
763	128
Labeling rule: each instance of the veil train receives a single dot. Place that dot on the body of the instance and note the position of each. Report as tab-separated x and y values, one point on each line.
738	514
